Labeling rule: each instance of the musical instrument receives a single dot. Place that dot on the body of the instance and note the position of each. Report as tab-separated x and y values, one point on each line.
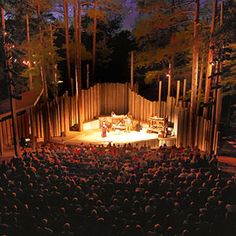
115	122
160	125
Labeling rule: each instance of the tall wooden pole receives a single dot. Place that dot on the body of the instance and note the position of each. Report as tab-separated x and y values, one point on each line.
80	120
209	61
47	126
66	22
218	93
94	38
177	93
76	44
195	59
75	5
39	13
200	85
159	96
55	68
213	129
169	81
193	118
221	12
132	70
30	83
184	89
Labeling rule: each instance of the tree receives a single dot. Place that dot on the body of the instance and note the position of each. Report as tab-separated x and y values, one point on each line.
164	36
66	22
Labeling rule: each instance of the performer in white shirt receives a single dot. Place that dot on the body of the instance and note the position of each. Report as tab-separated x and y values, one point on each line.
128	124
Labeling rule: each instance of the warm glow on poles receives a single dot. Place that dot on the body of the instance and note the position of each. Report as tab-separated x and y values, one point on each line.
66	22
168	75
194	82
94	37
209	61
30	83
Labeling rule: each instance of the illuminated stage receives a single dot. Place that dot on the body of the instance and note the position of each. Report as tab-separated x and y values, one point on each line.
115	137
92	135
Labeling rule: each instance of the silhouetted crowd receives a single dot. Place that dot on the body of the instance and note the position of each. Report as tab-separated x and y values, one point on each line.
89	190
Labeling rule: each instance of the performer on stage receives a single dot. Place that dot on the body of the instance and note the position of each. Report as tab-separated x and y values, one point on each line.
165	126
104	129
113	114
128	123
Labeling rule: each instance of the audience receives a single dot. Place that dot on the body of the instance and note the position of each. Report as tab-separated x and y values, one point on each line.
89	190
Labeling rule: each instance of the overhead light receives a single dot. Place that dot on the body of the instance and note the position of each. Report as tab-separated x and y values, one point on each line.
59	81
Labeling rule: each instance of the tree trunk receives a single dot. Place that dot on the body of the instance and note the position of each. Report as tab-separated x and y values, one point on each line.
66	22
54	68
200	85
47	127
169	80
219	91
194	74
94	37
30	82
195	59
209	61
8	66
76	44
80	120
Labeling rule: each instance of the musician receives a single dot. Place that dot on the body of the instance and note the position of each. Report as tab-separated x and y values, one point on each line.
113	114
128	123
165	126
104	129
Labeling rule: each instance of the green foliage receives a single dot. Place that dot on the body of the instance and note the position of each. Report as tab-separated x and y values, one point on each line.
40	55
164	35
225	48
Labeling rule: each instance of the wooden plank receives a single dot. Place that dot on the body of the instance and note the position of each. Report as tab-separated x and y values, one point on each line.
177	93
9	132
1	139
91	104
134	104
184	89
66	117
185	127
86	105
125	98
118	98
4	131
88	91
62	116
59	118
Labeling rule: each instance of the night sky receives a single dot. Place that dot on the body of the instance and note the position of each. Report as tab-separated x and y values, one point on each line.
129	20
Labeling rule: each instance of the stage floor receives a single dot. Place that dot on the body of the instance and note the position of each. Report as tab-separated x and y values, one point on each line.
114	137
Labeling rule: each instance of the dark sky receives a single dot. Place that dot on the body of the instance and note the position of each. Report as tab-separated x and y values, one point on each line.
129	20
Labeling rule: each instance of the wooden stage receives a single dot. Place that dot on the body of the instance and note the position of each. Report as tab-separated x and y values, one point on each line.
116	137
